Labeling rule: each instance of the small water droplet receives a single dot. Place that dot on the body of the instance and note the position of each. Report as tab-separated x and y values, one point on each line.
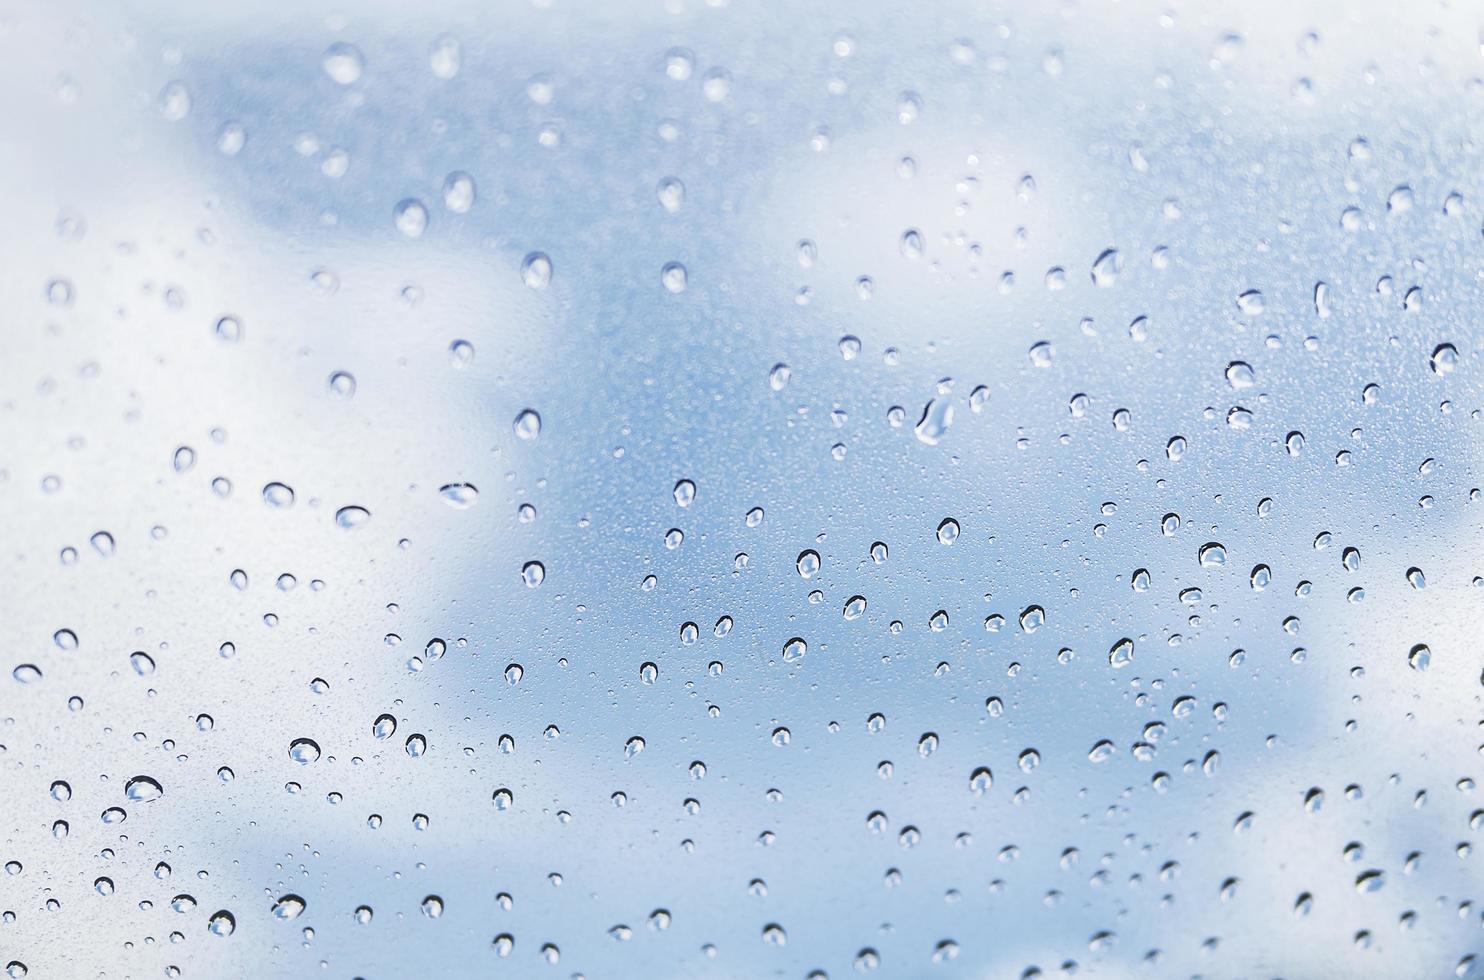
535	270
278	495
288	907
343	63
674	277
352	517
1444	359
411	216
460	496
1106	268
528	424
533	573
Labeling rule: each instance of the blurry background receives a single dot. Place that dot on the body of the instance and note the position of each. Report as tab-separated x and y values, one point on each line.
426	429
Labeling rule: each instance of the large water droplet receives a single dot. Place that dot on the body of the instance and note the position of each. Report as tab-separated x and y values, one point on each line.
143	789
222	923
304	751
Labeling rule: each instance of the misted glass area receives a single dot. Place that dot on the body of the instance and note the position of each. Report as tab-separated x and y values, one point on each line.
725	489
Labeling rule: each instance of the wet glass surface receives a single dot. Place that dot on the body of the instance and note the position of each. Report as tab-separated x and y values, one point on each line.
723	490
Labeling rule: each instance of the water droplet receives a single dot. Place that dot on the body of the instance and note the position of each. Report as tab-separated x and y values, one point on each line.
1239	374
278	495
384	727
807	563
175	101
937	418
222	923
671	194
304	751
528	424
352	517
673	277
911	244
1250	302
143	789
343	63
461	353
343	384
288	907
460	496
411	216
458	192
1106	268
444	57
229	329
535	270
1444	359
